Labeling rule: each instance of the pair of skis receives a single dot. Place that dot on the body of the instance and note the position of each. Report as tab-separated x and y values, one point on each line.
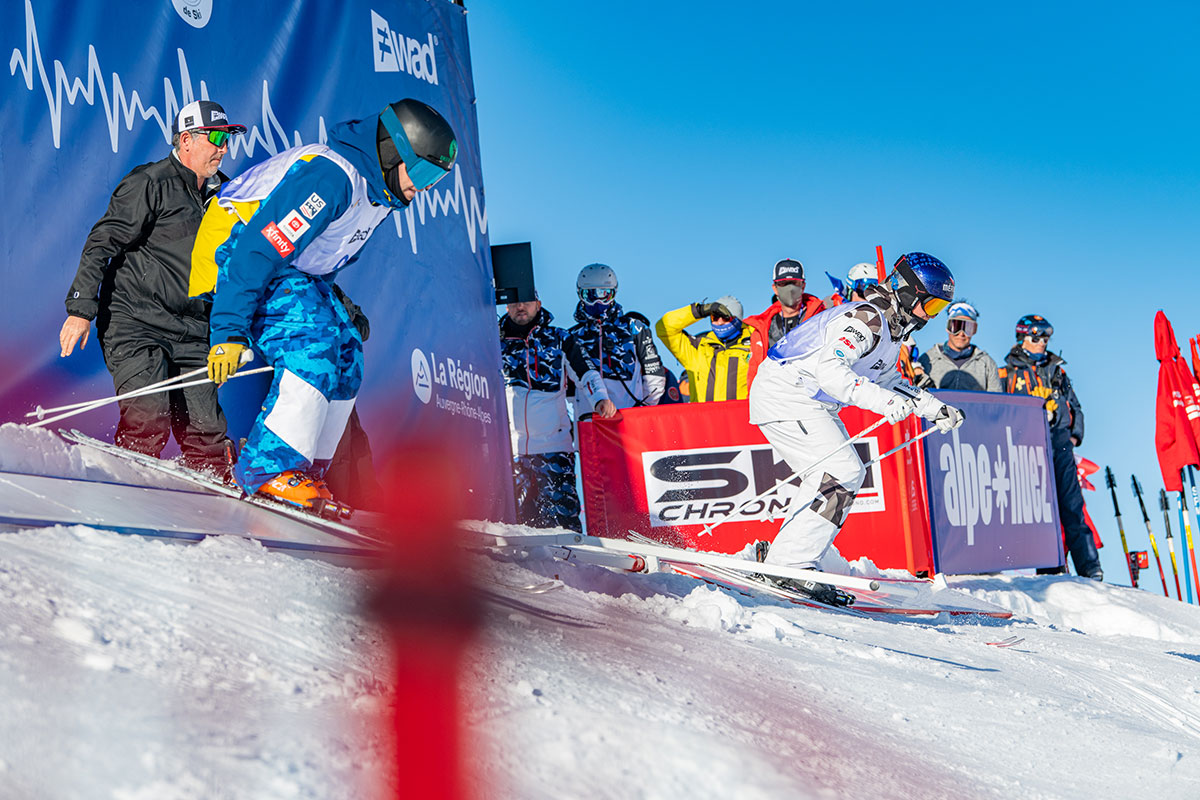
878	595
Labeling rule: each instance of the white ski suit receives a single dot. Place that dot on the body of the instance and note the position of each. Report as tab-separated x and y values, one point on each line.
843	356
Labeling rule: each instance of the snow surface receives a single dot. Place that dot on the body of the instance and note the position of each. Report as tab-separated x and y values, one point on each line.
137	669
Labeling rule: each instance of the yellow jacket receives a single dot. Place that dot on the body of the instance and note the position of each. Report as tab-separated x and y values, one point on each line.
716	370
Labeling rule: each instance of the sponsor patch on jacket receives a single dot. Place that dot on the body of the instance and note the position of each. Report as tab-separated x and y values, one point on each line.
846	342
853	331
293	225
280	242
312	206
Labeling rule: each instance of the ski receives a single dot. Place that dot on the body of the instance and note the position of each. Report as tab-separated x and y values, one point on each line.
901	596
1008	642
357	534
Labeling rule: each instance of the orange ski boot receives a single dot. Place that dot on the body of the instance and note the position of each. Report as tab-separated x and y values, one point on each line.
311	494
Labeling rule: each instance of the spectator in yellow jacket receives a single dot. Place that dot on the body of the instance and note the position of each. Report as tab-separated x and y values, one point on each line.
717	360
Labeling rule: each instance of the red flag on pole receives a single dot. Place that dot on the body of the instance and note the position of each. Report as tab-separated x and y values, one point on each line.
1177	412
1083	468
1195	341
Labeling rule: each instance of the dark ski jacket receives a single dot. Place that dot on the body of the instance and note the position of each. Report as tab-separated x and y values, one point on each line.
1022	376
537	362
136	260
622	348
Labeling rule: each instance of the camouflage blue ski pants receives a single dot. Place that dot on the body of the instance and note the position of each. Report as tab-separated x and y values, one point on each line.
545	491
303	330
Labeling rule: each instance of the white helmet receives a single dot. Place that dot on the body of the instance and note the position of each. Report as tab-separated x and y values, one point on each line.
596	276
862	271
732	303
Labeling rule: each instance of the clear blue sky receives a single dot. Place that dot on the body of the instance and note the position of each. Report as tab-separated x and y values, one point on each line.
1049	155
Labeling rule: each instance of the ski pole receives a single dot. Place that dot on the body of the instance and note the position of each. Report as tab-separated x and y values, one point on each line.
1185	524
1137	491
708	529
40	412
1191	549
902	445
139	393
1165	505
1111	483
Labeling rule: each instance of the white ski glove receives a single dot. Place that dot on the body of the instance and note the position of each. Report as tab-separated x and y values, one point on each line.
896	409
948	418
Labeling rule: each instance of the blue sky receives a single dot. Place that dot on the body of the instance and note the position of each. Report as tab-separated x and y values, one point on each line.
1047	155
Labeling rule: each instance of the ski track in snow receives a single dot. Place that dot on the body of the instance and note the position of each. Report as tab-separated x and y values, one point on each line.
137	669
682	689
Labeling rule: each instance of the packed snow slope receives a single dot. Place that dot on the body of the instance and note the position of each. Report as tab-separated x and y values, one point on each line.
136	668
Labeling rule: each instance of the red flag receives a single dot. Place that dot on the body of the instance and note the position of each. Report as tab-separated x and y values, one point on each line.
1083	468
1177	411
1195	341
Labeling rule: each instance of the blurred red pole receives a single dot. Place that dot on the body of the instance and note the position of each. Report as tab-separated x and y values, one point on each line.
425	600
880	267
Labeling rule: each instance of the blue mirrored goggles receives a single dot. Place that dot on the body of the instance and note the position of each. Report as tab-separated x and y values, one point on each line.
597	295
422	173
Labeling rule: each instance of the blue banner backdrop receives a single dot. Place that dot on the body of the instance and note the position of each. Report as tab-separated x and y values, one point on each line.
992	498
92	92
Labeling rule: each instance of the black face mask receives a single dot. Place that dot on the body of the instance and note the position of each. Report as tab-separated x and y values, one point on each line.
392	179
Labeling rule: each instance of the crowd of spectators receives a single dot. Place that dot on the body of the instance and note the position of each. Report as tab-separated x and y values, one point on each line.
611	354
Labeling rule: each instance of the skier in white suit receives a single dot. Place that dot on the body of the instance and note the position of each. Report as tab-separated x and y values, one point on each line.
843	356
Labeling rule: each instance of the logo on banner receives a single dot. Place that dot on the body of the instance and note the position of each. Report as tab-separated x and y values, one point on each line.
978	489
715	484
421	377
395	52
196	13
280	242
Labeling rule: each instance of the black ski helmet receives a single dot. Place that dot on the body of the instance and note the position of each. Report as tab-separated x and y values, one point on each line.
412	133
1034	325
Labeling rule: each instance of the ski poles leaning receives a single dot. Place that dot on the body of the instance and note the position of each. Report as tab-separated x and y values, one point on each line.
1187	527
1111	483
168	385
1165	505
1137	491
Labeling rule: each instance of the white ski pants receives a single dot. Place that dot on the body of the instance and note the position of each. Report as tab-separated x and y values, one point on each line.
819	508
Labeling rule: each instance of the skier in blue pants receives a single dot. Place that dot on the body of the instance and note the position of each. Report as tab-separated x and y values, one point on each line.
270	247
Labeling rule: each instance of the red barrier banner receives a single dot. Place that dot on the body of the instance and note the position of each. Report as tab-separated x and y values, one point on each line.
667	472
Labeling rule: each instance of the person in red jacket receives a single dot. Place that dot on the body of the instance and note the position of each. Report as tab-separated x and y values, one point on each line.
791	307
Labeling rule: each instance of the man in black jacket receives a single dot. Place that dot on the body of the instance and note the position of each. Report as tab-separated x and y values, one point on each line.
133	281
1031	369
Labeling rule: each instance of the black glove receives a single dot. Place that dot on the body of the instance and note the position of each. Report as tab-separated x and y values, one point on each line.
702	309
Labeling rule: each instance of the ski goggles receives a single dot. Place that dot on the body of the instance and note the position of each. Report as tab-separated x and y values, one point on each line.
934	305
217	137
1037	337
597	295
962	325
422	173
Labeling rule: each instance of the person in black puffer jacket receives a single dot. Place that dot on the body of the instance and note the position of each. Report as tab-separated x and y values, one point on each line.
619	344
132	281
1031	369
537	359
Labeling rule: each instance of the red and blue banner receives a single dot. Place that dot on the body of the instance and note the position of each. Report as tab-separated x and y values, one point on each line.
92	91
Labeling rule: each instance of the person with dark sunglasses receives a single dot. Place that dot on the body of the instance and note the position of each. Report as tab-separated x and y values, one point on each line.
958	364
132	281
1030	368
